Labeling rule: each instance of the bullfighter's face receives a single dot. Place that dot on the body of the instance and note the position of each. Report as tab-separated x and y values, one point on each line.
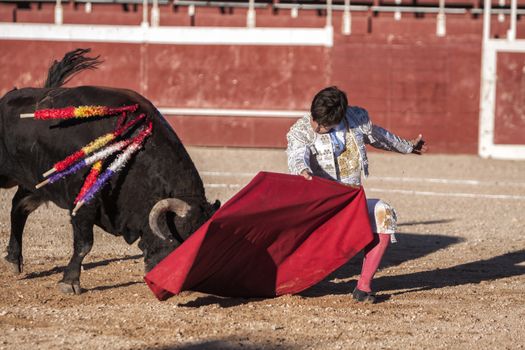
322	129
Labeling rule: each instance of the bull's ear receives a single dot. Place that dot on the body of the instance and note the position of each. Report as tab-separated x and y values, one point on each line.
216	205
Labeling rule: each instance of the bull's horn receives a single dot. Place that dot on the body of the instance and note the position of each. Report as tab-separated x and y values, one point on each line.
179	207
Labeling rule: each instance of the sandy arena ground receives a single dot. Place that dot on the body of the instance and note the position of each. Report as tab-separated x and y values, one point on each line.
455	280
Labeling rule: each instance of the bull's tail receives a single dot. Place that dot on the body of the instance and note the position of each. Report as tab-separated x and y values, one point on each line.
73	62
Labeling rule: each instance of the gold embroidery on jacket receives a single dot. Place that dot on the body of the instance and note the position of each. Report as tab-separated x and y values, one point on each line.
348	161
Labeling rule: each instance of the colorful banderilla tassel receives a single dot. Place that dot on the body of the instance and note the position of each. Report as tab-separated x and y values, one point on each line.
100	155
90	180
115	167
91	147
78	112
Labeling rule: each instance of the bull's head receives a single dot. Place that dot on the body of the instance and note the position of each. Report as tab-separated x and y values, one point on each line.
173	221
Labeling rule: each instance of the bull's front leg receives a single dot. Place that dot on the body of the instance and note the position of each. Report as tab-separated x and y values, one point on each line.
82	243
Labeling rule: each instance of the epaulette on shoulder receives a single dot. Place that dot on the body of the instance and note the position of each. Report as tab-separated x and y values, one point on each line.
302	130
358	116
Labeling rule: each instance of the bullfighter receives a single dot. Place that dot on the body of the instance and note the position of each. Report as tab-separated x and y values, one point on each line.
329	142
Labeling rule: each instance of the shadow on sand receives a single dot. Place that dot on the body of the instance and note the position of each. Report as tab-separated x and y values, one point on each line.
87	266
227	344
224	302
409	247
412	247
113	286
501	266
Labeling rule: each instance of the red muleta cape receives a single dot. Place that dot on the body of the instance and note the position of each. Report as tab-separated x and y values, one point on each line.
279	235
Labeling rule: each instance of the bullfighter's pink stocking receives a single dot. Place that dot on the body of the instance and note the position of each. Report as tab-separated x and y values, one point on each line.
373	254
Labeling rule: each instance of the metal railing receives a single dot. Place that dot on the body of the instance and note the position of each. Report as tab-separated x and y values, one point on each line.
324	8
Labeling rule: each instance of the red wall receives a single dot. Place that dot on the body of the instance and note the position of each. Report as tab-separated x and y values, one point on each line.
410	80
509	125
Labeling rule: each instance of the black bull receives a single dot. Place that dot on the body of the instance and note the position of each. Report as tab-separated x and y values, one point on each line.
158	194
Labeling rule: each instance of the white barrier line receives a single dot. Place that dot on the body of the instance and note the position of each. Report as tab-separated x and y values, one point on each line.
174	35
442	194
417	193
448	181
226	173
393	179
222	185
218	112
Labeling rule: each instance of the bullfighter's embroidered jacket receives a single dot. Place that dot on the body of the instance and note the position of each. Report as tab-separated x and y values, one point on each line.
315	152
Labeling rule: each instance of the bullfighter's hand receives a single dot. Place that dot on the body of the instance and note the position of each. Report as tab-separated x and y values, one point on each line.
418	145
306	174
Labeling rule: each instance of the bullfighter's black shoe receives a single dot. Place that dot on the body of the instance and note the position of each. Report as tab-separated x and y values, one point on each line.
363	296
